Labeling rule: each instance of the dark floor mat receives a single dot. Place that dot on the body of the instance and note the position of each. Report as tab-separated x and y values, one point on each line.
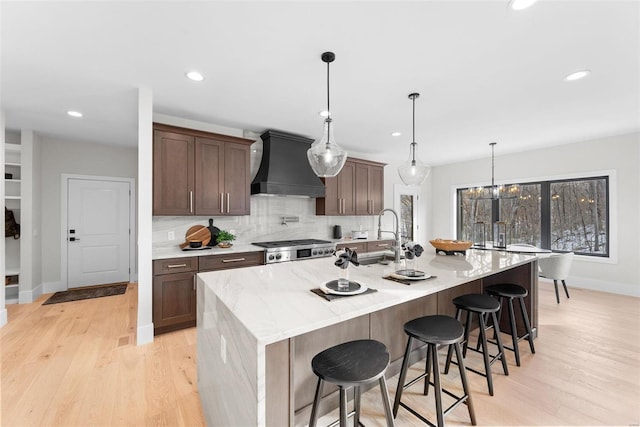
87	293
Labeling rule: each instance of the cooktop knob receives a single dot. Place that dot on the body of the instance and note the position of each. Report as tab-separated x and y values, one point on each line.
271	257
278	256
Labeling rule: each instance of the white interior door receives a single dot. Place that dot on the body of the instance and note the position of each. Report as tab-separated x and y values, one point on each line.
97	232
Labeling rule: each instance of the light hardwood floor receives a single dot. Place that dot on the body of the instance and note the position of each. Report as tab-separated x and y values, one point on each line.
76	364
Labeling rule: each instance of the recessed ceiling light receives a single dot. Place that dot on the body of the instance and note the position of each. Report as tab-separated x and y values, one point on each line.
324	113
396	134
521	4
577	75
195	76
74	113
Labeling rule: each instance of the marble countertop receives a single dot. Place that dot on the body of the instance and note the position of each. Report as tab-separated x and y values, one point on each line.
173	251
275	302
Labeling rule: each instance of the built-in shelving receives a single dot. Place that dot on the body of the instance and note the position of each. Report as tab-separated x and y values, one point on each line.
12	200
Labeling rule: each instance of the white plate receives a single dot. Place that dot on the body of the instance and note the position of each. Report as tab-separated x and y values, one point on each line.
326	290
401	277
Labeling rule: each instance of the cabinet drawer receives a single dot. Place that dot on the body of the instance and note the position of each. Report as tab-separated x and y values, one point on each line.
380	245
234	260
354	246
175	265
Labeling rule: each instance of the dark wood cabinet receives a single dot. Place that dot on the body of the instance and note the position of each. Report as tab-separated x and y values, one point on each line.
174	294
174	286
362	247
359	247
380	245
369	188
357	190
339	196
199	173
234	260
173	173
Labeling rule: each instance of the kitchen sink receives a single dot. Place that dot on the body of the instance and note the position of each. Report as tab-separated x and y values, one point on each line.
375	259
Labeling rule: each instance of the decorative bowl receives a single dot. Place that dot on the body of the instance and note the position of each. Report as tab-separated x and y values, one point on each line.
451	245
195	243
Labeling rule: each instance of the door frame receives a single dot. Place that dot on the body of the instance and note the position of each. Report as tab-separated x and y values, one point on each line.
64	193
398	190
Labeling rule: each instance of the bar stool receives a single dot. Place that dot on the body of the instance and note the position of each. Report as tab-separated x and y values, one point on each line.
481	305
351	364
509	291
435	331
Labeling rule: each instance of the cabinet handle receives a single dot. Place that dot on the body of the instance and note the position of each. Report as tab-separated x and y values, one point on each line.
176	265
194	282
233	260
221	203
227	202
190	201
383	245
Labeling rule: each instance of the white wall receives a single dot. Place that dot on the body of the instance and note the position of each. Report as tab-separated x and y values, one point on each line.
619	153
78	158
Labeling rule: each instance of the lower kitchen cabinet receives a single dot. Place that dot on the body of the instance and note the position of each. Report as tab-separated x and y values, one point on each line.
174	286
233	260
371	246
174	294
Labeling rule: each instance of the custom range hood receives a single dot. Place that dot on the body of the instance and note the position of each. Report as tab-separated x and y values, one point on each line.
285	169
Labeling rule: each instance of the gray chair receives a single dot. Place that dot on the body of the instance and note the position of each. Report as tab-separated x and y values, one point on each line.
556	267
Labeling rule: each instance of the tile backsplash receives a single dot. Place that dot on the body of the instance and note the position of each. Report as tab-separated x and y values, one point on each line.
265	222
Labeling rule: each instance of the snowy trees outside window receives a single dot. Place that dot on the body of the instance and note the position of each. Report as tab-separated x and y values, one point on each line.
561	215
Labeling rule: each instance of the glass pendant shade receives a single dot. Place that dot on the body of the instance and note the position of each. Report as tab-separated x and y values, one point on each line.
325	156
413	172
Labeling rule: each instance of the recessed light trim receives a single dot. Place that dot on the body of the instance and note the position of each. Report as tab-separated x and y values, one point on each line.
74	113
577	75
195	76
521	4
396	133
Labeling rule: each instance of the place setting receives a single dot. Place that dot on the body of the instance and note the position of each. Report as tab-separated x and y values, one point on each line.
343	287
409	275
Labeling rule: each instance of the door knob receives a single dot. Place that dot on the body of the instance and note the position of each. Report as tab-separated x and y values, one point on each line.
73	239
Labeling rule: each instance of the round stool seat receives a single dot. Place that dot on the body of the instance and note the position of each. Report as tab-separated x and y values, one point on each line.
510	290
352	363
481	303
435	329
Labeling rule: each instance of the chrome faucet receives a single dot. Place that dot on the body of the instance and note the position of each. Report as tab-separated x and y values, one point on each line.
398	246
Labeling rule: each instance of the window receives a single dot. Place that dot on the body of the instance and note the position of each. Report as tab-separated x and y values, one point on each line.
561	215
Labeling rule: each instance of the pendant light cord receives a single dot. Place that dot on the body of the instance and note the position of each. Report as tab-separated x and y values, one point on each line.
413	140
328	119
493	189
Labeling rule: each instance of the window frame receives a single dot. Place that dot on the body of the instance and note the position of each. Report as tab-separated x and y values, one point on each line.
545	181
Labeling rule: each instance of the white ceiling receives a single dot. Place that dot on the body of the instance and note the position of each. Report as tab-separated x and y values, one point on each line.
485	73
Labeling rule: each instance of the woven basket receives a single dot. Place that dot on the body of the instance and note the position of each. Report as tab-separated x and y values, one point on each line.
451	245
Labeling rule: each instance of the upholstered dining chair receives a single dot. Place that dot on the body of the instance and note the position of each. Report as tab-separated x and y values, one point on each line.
556	267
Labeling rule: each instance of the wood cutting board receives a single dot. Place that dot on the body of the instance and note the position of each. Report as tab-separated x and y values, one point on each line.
197	232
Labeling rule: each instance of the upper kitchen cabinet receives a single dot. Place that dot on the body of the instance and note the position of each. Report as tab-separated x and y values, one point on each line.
199	173
369	187
357	190
340	198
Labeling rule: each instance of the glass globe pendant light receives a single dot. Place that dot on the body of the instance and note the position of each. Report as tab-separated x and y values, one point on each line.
325	156
413	172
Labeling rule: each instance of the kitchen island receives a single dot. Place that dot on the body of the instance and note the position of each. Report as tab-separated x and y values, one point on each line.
259	327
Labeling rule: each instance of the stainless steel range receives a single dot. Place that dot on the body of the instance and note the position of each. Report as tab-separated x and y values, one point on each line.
292	250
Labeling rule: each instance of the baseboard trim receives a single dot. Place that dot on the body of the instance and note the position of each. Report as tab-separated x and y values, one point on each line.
26	297
600	285
3	317
50	287
145	334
